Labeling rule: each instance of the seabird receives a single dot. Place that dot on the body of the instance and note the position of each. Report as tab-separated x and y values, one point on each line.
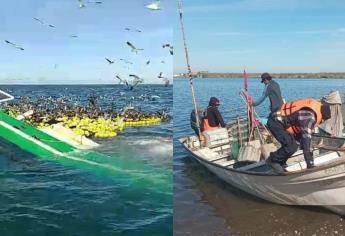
166	82
135	77
110	61
42	22
125	61
81	4
14	45
160	76
155	5
96	2
39	20
171	48
74	36
121	80
162	61
148	62
136	30
134	49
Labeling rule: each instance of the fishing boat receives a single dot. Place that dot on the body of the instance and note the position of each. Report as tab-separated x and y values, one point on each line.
237	153
323	185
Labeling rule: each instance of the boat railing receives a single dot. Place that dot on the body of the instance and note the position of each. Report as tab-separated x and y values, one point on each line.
5	97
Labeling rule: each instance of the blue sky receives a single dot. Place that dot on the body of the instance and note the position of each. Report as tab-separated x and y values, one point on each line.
262	35
100	31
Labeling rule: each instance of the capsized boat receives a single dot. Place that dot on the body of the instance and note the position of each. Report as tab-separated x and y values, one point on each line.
245	168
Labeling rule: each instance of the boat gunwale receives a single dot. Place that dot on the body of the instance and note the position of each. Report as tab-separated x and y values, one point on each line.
315	169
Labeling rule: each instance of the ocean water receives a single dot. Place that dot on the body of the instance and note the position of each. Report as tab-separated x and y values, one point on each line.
204	204
131	195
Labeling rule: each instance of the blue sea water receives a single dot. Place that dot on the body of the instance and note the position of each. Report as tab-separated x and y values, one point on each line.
205	205
46	196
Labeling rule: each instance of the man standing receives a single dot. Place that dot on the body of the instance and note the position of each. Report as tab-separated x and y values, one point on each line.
272	91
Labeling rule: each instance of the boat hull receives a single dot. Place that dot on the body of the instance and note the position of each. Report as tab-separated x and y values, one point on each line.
318	187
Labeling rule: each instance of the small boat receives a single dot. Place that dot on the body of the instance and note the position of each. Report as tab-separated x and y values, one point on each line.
323	185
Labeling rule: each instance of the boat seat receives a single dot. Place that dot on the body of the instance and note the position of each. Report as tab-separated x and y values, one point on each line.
209	154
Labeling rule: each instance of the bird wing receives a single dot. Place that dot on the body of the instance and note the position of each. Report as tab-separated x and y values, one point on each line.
135	76
6	41
108	60
121	80
154	5
39	20
131	45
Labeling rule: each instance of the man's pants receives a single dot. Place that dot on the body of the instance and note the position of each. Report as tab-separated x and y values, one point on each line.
287	141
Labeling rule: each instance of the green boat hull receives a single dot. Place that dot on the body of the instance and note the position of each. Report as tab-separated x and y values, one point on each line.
31	139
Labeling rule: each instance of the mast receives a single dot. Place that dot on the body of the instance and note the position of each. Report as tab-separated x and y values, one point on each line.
179	2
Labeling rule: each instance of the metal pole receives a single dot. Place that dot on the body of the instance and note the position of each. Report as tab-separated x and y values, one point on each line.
179	2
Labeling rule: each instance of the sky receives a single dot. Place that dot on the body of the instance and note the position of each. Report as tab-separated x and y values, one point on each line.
51	56
262	36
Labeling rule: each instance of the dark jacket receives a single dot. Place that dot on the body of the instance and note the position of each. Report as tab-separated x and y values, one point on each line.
193	123
214	117
272	91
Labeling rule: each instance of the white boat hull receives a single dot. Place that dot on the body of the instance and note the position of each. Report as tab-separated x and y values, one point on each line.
318	187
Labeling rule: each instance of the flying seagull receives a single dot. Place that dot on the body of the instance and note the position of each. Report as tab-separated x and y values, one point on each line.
136	30
137	80
74	36
153	6
166	82
39	20
160	76
122	81
125	61
81	4
163	62
135	77
42	22
165	79
14	45
96	2
148	62
110	61
171	48
134	49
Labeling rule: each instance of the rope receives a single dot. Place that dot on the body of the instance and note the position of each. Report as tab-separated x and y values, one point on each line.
179	4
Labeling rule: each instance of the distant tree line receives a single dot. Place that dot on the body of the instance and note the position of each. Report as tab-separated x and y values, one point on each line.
324	75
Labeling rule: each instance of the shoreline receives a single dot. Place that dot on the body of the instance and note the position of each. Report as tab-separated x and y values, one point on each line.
322	75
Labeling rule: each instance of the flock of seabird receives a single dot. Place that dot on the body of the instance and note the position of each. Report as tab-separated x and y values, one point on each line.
154	6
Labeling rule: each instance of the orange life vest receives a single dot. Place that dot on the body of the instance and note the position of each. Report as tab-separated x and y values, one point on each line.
207	126
289	108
